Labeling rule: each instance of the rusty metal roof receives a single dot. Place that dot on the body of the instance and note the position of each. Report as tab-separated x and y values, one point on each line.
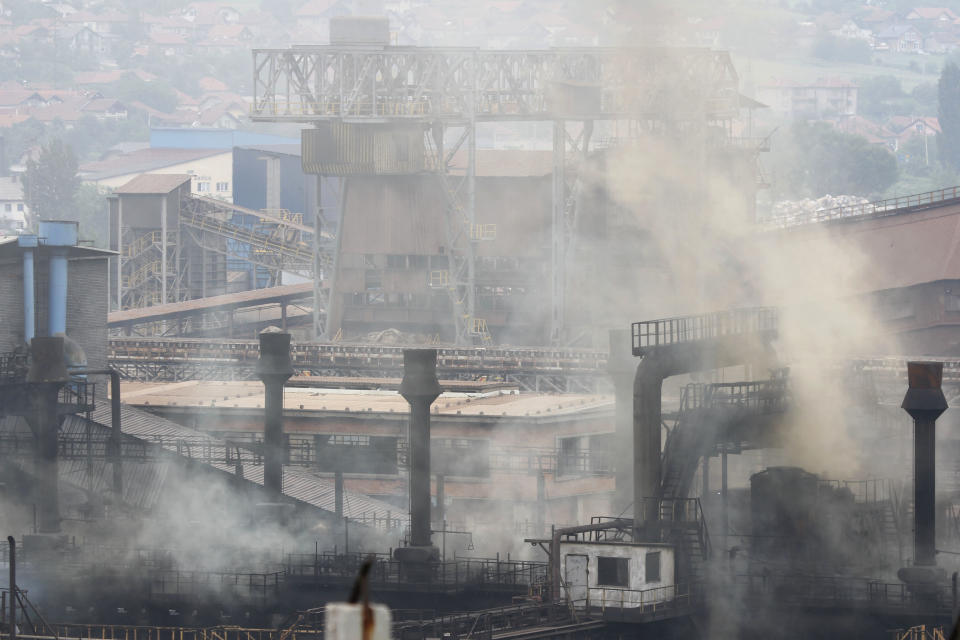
153	184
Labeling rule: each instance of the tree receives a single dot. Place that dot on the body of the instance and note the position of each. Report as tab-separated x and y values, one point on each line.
948	98
51	182
817	160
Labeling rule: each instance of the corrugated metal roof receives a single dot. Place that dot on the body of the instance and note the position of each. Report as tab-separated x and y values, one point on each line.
145	481
155	183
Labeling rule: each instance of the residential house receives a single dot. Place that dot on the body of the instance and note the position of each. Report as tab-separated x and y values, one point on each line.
874	132
825	98
14	211
85	41
907	127
931	16
902	38
941	42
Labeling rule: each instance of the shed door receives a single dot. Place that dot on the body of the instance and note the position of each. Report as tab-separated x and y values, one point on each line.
575	575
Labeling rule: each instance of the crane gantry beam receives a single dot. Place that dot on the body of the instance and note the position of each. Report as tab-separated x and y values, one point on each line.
437	89
310	83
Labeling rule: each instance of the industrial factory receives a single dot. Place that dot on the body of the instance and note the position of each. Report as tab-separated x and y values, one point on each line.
584	391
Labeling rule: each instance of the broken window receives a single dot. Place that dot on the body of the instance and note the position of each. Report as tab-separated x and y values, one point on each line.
613	572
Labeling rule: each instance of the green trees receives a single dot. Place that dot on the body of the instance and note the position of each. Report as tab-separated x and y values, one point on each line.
948	96
50	181
53	191
817	159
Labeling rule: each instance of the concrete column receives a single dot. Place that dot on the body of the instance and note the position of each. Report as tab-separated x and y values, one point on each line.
46	376
420	388
338	492
541	503
273	368
441	512
621	367
27	243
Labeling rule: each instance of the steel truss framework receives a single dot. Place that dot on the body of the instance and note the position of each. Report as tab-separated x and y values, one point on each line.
447	88
156	265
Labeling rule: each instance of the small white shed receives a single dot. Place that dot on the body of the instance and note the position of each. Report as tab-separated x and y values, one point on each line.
617	574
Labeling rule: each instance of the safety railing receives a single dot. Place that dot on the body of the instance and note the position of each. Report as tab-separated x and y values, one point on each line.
240	585
762	321
869	491
880	208
13	367
841	591
452	573
132	632
646	600
919	632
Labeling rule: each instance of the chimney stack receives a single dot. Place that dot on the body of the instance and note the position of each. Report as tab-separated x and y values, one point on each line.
273	368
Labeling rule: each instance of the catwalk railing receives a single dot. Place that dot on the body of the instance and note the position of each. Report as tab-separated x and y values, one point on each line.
880	208
801	590
459	572
760	321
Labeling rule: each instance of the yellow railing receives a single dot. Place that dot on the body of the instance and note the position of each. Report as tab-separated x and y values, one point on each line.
439	278
141	243
140	276
483	232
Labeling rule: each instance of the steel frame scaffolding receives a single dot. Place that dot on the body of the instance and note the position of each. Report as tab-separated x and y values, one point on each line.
456	88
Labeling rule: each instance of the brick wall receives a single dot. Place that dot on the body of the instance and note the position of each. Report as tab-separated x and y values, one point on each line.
86	305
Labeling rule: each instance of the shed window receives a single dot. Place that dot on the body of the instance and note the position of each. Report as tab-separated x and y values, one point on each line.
652	567
613	572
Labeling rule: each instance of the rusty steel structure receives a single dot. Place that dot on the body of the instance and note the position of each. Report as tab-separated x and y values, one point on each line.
437	91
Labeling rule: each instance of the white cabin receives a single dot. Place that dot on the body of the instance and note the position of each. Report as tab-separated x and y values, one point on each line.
617	574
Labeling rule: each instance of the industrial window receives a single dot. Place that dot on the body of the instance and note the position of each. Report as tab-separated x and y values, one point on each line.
613	572
203	187
652	567
8	207
19	207
951	302
417	261
350	440
396	262
223	186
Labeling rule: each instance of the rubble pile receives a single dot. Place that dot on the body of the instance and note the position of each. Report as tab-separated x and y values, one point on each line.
790	212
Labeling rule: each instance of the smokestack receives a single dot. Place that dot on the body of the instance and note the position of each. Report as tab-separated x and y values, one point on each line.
924	402
46	376
59	236
273	368
420	388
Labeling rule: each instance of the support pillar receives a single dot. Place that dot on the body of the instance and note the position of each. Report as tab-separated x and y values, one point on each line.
621	368
46	376
12	617
28	243
273	368
57	308
925	402
724	505
338	492
705	486
541	503
441	512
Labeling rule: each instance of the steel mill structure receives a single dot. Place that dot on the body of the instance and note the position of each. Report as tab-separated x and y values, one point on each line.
365	101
